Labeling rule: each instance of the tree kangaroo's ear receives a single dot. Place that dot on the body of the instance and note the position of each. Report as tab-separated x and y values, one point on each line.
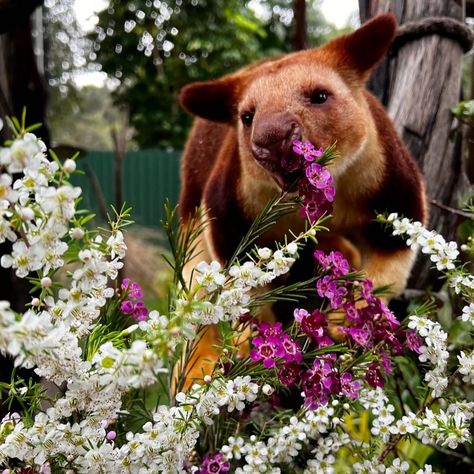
211	100
362	50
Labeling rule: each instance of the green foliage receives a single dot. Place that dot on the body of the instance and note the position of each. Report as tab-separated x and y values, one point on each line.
154	48
464	111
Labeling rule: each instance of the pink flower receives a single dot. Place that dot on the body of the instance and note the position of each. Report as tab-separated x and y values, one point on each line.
374	376
133	290
307	150
349	387
126	307
267	351
414	341
289	374
215	463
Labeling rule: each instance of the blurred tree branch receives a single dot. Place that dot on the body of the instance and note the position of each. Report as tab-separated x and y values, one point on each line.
14	12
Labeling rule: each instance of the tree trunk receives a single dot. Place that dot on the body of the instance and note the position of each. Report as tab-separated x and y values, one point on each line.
20	85
419	82
300	33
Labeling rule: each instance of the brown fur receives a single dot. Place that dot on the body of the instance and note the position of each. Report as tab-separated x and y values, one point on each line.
374	173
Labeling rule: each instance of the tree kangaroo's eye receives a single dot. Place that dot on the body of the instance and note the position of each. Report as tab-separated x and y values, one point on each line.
318	96
247	118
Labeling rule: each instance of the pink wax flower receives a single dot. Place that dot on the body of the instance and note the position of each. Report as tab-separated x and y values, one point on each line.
215	463
349	387
307	150
334	263
267	351
414	341
374	375
133	289
133	305
289	374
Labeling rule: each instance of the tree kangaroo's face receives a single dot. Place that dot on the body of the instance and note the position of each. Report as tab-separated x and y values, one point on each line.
314	95
302	100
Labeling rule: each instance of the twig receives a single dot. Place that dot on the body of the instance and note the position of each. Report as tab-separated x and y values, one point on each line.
452	210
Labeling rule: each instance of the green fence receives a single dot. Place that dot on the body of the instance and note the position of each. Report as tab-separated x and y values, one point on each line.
149	177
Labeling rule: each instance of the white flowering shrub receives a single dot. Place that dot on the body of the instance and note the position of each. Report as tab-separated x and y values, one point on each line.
395	396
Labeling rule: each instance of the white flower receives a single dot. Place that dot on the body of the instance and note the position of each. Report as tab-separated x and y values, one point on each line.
264	253
247	274
209	275
398	467
468	313
58	202
116	244
279	263
235	448
6	191
466	367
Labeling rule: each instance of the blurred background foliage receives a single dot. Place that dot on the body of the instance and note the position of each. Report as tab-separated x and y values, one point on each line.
149	50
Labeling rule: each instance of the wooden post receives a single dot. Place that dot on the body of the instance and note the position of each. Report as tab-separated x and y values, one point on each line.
418	83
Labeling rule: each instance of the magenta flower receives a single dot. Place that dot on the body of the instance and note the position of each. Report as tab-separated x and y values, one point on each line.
126	307
414	341
328	288
307	150
289	374
133	289
215	463
349	387
133	305
361	336
374	376
267	350
313	325
292	350
272	343
318	383
319	177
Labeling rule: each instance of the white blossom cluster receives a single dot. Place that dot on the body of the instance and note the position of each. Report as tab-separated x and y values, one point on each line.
442	253
433	352
163	445
315	428
220	296
43	209
448	427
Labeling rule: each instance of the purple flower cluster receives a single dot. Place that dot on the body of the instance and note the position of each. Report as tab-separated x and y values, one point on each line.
214	464
274	348
133	305
372	325
316	184
323	380
272	344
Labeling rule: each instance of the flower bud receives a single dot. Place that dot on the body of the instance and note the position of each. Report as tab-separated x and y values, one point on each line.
292	248
111	435
69	166
264	253
35	302
27	214
46	282
267	389
207	379
77	233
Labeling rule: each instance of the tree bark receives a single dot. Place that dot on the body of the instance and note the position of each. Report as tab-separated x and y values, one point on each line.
300	33
418	83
